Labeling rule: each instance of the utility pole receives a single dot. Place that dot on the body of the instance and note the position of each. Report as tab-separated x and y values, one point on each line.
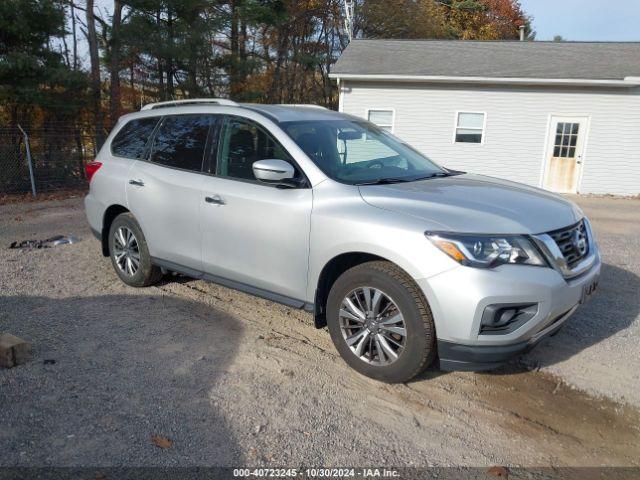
349	8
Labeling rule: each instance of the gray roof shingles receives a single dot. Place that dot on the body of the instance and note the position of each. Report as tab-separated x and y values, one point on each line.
498	59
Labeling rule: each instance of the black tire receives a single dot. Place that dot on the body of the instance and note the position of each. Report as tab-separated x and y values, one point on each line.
146	274
419	348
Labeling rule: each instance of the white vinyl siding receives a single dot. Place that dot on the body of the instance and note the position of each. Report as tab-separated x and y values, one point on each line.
514	144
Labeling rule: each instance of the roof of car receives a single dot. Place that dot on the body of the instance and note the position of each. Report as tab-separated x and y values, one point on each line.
277	113
463	58
294	113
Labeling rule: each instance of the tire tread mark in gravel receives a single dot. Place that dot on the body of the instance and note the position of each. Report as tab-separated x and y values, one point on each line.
305	340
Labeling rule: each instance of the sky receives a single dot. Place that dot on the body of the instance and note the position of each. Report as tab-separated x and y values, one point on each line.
582	20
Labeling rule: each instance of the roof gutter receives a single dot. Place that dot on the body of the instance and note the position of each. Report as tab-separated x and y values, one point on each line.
627	82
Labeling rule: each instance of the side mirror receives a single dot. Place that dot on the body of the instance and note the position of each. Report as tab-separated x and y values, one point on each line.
274	171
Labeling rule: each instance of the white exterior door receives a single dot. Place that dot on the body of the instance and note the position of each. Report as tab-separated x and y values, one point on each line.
565	148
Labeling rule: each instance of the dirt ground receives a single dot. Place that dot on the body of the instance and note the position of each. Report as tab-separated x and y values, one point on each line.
234	380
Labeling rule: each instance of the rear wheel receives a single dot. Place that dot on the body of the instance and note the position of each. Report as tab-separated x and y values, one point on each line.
129	253
380	322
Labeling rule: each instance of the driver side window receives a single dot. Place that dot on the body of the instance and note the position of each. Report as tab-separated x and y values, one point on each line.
243	142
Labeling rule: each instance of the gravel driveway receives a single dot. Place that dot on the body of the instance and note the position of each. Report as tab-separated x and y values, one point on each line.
234	380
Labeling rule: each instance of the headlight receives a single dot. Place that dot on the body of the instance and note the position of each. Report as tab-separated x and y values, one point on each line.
487	251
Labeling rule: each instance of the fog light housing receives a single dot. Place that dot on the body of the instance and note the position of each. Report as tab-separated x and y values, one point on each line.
504	318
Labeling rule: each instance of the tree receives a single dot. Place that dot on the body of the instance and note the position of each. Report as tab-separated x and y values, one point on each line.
32	74
486	19
96	85
252	50
402	19
114	63
171	44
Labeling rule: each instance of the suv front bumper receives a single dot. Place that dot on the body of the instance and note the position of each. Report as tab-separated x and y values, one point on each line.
460	357
459	297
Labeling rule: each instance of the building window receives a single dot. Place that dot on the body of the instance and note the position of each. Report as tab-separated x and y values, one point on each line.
469	127
566	140
381	118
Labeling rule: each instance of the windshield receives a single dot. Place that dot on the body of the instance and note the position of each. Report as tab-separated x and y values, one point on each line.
358	152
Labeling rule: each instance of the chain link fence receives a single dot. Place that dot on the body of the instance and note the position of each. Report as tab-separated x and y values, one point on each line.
57	154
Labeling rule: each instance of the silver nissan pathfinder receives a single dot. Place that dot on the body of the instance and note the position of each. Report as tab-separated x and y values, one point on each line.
406	262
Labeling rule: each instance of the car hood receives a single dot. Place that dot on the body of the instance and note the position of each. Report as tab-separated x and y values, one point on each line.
475	204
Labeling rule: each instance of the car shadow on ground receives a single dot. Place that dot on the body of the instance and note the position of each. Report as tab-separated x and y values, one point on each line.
613	308
108	374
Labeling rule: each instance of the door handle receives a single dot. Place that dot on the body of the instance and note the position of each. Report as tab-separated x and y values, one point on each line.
214	199
138	183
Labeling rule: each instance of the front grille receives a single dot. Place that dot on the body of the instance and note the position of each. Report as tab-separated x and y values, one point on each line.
573	242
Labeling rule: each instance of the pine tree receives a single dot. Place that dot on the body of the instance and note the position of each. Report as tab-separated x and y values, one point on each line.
33	74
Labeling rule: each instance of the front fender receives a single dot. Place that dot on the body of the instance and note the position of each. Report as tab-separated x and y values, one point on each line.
341	222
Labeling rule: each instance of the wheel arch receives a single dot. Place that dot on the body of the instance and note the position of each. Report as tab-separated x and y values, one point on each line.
330	273
109	216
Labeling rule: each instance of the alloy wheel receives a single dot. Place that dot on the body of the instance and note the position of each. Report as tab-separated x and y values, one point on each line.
126	252
373	326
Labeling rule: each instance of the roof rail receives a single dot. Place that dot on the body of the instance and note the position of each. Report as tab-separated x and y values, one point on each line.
189	101
308	105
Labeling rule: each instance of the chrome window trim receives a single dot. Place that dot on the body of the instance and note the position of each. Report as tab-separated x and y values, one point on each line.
551	250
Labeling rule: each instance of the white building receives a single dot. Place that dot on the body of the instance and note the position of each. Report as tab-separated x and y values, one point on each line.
562	116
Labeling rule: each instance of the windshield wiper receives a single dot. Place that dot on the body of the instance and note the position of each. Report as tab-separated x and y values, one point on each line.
437	175
386	181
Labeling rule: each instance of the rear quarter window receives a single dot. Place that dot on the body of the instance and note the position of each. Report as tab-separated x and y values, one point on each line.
131	140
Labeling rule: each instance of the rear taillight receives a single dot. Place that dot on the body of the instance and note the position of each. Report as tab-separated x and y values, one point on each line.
91	168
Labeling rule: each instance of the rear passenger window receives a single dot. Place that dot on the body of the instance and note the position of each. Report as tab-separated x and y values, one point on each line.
181	140
132	138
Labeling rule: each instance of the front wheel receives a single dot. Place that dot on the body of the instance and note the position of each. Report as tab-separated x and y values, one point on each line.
380	322
129	253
